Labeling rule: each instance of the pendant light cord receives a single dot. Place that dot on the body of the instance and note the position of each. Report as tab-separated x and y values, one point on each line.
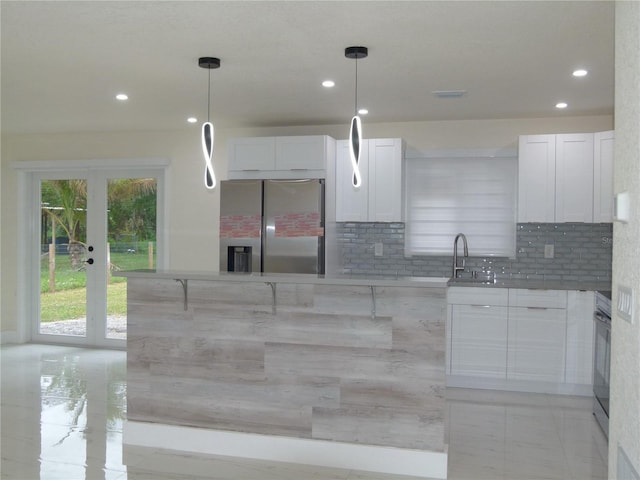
356	105
209	97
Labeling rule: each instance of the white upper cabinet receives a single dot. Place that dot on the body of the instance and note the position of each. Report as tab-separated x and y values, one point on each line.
574	178
385	180
603	176
537	178
380	197
301	153
279	157
352	204
565	178
252	154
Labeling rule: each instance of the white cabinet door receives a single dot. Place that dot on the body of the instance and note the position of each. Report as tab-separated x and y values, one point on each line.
579	368
478	340
301	153
252	154
385	180
603	176
536	342
536	178
352	204
574	178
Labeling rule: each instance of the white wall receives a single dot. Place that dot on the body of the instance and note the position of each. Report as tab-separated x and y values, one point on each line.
624	426
194	211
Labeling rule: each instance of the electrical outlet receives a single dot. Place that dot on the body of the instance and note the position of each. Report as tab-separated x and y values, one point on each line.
377	249
549	251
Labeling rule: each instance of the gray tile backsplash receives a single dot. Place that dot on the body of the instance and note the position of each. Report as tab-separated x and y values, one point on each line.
582	252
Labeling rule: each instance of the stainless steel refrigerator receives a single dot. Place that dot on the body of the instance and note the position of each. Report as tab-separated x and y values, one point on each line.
272	226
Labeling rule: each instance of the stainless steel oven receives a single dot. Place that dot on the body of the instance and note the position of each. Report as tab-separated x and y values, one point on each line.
602	359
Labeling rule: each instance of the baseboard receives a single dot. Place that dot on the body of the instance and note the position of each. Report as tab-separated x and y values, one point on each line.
388	460
461	381
8	337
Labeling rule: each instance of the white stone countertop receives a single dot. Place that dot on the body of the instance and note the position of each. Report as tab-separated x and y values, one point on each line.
297	278
536	284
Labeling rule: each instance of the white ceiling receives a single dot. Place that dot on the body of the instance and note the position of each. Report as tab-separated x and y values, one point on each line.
64	61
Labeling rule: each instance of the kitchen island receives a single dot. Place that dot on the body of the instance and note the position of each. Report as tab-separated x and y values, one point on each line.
345	372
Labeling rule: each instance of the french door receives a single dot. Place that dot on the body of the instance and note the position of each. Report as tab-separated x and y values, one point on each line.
88	223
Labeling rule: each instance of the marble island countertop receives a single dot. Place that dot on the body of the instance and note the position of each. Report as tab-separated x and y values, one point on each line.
297	278
372	280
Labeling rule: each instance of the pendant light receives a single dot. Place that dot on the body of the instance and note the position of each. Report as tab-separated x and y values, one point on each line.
355	131
207	127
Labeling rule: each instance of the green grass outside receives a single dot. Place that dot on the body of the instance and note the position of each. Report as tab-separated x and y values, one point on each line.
68	300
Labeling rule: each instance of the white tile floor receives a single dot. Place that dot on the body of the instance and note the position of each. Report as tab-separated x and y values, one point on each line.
63	408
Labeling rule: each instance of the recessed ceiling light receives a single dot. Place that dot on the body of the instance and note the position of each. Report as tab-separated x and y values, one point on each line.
328	83
192	119
580	73
122	97
561	105
363	111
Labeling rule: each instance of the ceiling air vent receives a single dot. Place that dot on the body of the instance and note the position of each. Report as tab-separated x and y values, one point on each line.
449	93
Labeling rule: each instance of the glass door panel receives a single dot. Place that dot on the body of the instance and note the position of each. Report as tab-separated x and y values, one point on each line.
131	242
91	222
63	257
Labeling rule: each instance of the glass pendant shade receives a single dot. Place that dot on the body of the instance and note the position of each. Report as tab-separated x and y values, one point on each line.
355	140
207	150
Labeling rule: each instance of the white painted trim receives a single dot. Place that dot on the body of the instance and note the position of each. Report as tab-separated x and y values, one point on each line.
99	164
390	460
8	337
462	153
486	383
29	172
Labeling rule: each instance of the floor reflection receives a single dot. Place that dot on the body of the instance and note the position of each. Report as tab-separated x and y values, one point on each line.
62	413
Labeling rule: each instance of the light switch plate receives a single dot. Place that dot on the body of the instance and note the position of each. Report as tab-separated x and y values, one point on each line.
625	303
377	249
549	251
622	207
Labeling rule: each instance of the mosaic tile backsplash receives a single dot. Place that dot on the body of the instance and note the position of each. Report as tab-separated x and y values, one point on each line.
582	252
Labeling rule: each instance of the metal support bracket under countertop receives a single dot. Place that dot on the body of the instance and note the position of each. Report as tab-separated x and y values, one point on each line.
274	306
273	297
185	290
373	301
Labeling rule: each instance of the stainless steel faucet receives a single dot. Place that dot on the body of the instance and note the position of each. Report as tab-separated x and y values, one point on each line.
459	268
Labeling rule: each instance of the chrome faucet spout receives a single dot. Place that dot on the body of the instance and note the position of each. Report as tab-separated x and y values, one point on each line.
459	266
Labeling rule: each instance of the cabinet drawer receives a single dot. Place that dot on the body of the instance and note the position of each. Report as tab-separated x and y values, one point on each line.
477	296
537	298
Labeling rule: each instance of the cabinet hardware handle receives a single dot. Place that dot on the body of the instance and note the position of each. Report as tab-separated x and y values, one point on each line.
537	308
481	306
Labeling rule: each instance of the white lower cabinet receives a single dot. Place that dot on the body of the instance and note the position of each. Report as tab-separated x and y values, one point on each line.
537	335
477	331
579	354
536	344
479	340
519	338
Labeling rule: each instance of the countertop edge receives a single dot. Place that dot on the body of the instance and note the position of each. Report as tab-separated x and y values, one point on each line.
419	282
